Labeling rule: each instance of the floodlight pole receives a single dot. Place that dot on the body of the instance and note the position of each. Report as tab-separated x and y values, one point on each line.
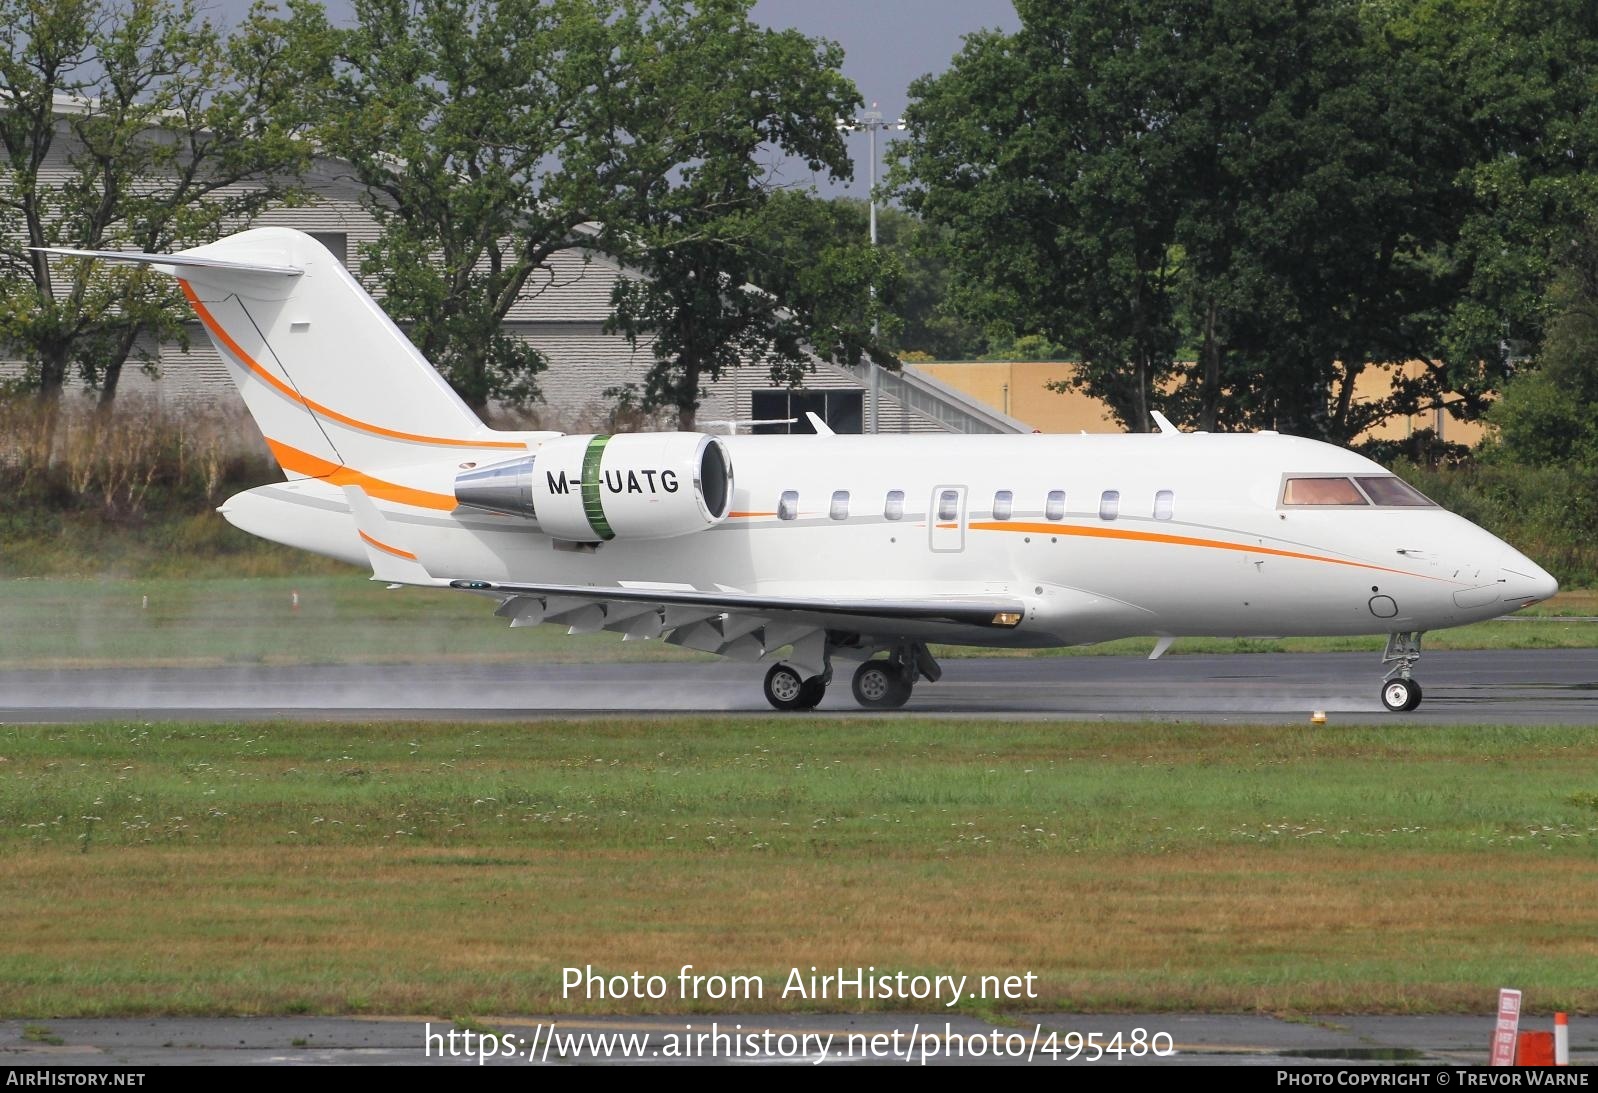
871	121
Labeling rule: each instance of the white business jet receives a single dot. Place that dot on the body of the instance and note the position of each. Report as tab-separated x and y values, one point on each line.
806	550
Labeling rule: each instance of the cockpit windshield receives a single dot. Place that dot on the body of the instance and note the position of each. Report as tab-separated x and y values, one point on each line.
1321	491
1383	491
1388	489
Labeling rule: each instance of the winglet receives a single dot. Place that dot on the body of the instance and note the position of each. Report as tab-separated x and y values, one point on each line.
390	562
1164	423
821	427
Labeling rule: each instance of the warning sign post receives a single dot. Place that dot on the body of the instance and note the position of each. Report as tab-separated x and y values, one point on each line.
1508	1027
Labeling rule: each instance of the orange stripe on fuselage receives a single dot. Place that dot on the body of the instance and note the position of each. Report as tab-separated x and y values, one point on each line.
317	408
1182	540
394	550
292	459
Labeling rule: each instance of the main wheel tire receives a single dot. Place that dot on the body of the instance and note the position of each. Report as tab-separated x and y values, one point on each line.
814	690
1400	695
878	685
785	689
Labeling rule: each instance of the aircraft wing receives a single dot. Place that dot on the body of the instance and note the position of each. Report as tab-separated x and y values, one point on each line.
741	625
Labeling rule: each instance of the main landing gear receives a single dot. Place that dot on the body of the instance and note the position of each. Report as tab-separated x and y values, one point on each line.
883	684
1400	693
786	689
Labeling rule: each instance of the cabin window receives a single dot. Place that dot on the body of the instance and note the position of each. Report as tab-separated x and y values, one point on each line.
1393	491
893	507
1003	505
840	505
1164	504
949	505
1109	504
1321	491
788	507
1055	510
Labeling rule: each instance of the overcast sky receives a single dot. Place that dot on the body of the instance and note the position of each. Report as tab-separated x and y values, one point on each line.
887	43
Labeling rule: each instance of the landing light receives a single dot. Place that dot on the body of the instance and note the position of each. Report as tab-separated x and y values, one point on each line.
1007	618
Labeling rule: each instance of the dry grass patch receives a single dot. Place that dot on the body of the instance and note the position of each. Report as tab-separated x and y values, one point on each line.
271	930
447	870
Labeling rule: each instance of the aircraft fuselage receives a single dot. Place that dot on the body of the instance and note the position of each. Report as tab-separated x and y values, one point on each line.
1177	535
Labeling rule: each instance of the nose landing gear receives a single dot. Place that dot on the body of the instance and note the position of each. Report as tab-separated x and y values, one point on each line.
1400	693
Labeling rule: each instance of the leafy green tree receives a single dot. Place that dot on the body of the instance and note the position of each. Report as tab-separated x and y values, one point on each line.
1282	195
1548	415
127	124
1321	206
497	134
918	294
1044	159
734	269
775	286
1528	72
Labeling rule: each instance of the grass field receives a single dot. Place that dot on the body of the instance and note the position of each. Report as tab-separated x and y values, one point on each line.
455	870
347	619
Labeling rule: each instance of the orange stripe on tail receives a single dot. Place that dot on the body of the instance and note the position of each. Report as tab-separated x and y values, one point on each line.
317	408
292	459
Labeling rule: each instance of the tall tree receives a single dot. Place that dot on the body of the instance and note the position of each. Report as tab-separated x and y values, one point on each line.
774	281
1047	159
1548	415
1283	195
917	292
1322	204
496	133
127	124
733	269
1530	73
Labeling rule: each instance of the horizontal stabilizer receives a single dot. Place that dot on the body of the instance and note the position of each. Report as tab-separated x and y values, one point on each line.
174	261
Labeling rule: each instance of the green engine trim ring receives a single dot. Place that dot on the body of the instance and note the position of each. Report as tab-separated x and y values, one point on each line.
593	506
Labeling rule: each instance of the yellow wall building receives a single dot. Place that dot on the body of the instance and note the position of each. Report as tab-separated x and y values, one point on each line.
1020	389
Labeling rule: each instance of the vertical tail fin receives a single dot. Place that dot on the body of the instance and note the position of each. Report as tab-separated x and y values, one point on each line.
328	377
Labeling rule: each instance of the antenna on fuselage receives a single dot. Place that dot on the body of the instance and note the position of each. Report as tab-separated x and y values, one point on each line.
1164	423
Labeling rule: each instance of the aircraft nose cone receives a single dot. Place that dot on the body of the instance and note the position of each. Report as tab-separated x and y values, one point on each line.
1523	580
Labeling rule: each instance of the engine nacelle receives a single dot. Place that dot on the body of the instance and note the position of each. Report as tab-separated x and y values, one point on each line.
590	489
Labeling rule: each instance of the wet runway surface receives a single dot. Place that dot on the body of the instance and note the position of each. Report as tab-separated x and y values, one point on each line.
1047	1039
1518	687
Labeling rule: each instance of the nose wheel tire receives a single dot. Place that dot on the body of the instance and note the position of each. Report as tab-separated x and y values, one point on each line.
1401	695
880	685
786	689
